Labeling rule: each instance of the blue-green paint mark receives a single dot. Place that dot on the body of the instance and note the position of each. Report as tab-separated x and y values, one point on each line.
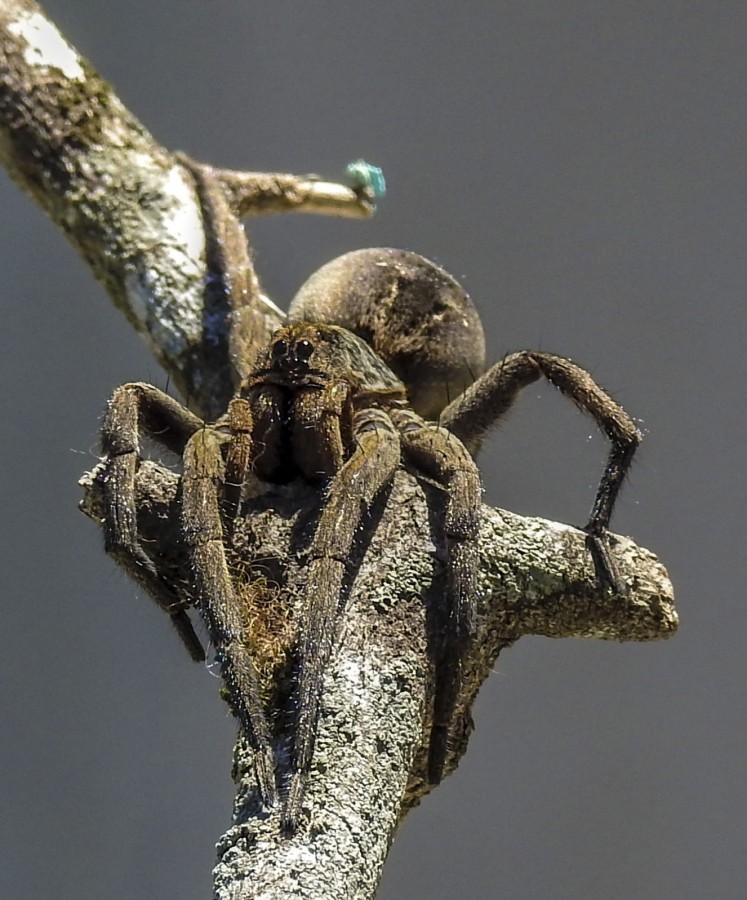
364	175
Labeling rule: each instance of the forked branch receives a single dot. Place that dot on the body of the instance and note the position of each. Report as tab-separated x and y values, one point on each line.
126	203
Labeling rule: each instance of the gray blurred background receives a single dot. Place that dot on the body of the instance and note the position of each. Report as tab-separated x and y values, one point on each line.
581	167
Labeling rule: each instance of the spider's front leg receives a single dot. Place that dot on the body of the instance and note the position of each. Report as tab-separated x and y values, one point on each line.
472	414
134	408
219	603
350	494
437	453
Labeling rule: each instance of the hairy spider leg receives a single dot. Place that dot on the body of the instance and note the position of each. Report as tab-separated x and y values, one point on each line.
438	454
351	492
238	458
472	414
136	408
203	476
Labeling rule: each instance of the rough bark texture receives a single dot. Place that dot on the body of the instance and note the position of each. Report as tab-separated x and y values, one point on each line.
120	198
369	764
131	210
127	204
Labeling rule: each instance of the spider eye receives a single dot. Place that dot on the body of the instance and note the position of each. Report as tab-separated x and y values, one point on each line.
304	349
279	348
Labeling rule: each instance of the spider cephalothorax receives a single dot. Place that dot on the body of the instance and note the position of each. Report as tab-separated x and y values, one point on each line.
298	407
378	339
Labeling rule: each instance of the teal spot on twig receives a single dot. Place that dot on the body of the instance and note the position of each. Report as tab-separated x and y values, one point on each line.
364	175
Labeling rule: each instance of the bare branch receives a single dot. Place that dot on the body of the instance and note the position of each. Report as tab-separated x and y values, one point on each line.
256	193
125	202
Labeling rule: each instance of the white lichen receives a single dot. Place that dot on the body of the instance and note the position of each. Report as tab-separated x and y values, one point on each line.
46	47
183	223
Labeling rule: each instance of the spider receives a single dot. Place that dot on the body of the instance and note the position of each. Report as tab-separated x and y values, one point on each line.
380	365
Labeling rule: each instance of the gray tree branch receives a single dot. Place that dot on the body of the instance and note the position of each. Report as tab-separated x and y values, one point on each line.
126	203
131	209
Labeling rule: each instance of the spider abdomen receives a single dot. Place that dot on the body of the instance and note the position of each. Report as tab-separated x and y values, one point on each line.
415	316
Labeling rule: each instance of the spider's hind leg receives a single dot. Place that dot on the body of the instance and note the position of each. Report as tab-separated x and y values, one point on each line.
132	408
443	457
492	395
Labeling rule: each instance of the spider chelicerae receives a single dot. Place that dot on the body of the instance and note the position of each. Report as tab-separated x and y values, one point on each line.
381	365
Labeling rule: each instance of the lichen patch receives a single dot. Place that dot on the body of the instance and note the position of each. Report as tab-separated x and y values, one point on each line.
45	46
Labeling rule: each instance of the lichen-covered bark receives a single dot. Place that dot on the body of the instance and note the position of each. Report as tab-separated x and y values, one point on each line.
127	204
370	758
120	198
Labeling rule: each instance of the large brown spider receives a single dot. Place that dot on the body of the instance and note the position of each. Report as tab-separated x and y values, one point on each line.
379	367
